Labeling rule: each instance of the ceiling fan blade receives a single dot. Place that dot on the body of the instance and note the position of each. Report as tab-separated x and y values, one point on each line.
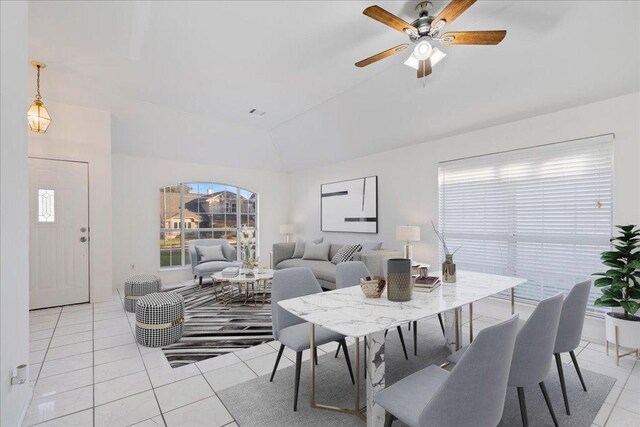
381	55
451	12
389	19
474	37
424	68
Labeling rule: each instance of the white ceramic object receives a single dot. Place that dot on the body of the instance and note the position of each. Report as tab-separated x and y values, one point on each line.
628	332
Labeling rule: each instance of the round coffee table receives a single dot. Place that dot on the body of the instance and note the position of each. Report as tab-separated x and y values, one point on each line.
255	284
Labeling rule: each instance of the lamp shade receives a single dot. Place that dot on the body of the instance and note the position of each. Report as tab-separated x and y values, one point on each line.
287	229
38	117
408	233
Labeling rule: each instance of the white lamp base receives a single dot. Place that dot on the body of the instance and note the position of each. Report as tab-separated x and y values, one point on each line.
407	251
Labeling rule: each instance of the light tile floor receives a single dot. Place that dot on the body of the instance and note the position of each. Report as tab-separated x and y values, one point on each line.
86	369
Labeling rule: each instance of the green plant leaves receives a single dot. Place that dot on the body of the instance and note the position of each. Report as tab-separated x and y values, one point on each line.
630	306
620	284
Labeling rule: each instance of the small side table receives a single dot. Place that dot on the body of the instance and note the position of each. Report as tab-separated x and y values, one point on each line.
256	285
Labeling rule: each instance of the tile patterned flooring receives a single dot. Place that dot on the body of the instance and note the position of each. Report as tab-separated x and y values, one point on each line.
87	370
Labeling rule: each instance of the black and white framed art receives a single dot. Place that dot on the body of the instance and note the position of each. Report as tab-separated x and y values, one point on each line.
350	206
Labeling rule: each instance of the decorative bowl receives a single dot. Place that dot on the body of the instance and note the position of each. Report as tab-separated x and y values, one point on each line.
372	287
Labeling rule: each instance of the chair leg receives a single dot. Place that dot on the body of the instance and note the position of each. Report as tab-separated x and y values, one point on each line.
415	338
388	419
523	407
315	356
200	280
275	367
575	363
404	348
343	342
546	399
562	383
338	350
441	323
297	385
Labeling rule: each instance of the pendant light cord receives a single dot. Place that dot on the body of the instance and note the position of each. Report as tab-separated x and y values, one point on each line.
38	97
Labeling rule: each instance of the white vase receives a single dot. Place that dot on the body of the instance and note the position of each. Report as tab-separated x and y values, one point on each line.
622	332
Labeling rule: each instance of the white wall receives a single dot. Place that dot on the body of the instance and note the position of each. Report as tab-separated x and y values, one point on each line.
14	211
136	208
83	134
408	177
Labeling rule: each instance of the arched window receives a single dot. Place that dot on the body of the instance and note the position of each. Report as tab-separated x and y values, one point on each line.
202	210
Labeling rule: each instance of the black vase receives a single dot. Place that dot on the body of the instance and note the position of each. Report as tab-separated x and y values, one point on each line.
399	283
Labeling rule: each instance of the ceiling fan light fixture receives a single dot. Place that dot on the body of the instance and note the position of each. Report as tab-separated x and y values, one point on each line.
422	50
436	56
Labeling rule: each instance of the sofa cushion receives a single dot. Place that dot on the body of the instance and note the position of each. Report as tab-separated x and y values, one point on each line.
334	249
323	270
298	251
213	267
210	253
345	254
316	251
371	245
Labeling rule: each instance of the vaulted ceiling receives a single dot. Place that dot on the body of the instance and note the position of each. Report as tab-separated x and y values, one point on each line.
181	77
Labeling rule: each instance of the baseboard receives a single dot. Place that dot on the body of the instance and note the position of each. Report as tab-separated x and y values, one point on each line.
23	414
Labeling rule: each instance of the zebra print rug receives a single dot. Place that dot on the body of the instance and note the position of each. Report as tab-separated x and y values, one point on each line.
212	329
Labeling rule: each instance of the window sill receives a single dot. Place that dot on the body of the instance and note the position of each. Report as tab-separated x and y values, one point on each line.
186	267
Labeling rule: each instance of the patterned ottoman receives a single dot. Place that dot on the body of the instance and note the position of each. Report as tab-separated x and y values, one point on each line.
136	287
159	319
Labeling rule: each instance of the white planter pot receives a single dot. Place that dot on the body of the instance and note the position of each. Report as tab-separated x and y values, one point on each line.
628	332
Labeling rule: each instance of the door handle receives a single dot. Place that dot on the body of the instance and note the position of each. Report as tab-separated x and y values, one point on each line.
83	239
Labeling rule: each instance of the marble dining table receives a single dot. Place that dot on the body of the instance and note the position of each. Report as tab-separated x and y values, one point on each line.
347	312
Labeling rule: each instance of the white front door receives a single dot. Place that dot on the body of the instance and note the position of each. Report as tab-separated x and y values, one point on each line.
58	233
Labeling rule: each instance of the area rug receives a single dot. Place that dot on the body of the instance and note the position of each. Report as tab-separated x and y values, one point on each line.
212	328
261	403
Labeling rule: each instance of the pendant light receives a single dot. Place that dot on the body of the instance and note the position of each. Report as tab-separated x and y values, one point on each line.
38	116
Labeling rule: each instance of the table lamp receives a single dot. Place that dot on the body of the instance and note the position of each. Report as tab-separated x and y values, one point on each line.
287	230
408	234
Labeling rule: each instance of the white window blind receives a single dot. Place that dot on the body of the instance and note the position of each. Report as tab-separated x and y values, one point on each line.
542	213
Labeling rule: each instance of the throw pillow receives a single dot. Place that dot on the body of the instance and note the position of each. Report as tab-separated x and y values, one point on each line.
345	253
210	253
298	251
317	251
370	245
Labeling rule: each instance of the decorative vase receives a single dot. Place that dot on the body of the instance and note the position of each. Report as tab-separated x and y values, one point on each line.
399	283
448	270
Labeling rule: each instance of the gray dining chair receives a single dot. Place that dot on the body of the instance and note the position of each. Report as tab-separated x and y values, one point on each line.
574	309
415	322
349	274
532	354
292	331
472	394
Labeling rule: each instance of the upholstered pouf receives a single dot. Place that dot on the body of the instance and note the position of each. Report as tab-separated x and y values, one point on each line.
159	319
139	286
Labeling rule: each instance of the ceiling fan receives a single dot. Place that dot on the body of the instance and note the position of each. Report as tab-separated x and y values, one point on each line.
425	29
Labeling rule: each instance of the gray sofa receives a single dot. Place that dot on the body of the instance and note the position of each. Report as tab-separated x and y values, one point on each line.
204	269
325	271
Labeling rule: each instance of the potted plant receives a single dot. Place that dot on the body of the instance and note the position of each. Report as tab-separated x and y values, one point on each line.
620	286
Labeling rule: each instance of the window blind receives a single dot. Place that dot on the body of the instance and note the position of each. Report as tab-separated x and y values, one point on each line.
543	214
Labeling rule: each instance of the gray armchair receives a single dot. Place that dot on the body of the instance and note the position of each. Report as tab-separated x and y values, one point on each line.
570	332
292	331
471	395
202	269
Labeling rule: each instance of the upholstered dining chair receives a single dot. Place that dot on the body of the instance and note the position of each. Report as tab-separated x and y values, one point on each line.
574	309
292	331
349	274
471	395
415	323
532	353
